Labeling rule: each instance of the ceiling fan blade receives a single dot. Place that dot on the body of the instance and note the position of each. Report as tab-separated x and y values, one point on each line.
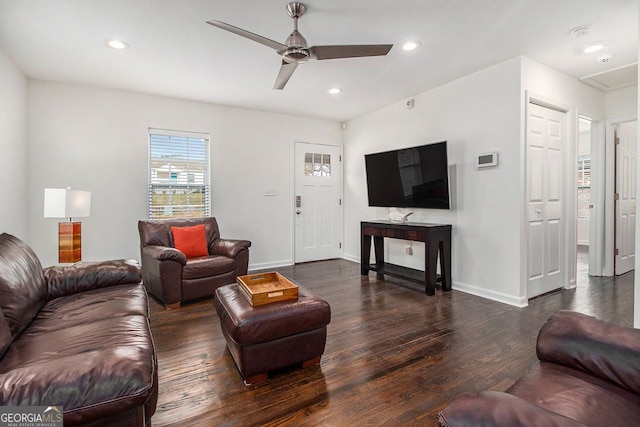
349	51
248	34
286	70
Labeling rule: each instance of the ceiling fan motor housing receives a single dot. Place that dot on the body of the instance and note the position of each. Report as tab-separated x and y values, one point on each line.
296	52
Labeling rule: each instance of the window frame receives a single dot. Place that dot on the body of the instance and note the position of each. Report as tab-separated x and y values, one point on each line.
192	151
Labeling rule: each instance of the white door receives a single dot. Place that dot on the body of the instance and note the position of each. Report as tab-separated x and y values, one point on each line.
545	139
317	202
625	197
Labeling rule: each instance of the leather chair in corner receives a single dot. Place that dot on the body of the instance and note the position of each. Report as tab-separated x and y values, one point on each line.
173	278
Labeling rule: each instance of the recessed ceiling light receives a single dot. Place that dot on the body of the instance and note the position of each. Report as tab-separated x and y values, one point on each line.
117	44
594	47
412	45
334	91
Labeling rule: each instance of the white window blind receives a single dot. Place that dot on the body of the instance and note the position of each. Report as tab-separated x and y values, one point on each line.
178	174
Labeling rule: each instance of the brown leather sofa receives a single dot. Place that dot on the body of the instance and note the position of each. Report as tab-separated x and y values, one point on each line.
172	277
588	374
76	337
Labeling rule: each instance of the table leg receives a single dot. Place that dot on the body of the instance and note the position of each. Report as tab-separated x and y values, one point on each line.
445	263
365	254
378	247
430	263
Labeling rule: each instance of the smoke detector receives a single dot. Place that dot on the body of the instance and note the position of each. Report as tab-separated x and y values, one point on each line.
580	31
603	59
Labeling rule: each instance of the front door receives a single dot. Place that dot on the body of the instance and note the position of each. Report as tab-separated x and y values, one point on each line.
545	139
625	197
317	202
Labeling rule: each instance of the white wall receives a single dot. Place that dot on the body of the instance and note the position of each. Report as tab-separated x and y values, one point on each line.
621	102
475	114
96	139
13	148
482	112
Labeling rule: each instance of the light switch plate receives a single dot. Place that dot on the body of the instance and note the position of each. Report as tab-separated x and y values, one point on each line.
270	191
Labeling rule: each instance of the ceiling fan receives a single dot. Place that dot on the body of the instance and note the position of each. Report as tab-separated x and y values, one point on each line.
295	49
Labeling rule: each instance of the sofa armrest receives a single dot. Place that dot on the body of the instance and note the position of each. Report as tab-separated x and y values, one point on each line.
84	276
164	253
603	349
497	409
229	247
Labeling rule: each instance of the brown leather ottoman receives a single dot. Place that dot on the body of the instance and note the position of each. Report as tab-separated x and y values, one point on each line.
272	336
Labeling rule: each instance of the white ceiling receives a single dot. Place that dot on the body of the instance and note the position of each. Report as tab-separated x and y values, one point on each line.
173	52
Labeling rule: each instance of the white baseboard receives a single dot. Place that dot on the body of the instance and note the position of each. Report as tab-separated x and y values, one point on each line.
473	290
494	296
351	258
269	265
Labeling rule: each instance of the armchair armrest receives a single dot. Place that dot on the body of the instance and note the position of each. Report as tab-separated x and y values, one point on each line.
84	276
603	349
497	409
229	247
163	253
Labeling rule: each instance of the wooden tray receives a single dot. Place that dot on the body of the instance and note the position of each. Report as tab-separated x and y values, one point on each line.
265	288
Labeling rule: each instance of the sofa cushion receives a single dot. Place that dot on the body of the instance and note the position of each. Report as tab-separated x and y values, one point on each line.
93	369
23	290
197	268
90	306
578	395
613	350
494	408
82	276
191	241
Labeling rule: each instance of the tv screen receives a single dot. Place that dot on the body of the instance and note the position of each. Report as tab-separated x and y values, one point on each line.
415	177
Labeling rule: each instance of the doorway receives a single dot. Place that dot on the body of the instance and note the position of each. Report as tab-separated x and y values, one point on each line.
625	138
317	202
545	139
584	222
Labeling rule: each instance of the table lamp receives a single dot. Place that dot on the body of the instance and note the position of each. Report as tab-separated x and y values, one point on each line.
67	203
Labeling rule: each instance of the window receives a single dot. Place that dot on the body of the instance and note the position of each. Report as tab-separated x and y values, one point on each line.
178	174
316	164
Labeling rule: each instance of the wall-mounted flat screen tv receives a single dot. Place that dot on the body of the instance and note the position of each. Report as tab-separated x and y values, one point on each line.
416	177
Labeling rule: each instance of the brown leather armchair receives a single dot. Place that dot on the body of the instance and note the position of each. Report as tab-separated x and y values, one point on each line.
172	277
588	373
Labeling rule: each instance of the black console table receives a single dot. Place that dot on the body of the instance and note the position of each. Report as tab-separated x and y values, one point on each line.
437	239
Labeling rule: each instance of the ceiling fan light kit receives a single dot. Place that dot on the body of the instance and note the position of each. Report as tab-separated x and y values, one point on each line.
295	50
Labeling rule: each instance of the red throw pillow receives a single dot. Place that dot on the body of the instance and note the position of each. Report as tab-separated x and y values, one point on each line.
192	241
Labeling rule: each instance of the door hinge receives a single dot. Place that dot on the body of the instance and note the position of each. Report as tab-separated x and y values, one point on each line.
340	158
340	245
617	252
616	140
616	196
340	202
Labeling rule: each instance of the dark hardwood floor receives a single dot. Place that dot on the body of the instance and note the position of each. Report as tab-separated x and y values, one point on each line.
394	356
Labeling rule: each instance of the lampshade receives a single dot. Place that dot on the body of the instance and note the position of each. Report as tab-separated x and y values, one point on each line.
66	203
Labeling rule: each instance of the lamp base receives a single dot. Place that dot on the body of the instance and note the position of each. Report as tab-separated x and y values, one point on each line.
69	242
